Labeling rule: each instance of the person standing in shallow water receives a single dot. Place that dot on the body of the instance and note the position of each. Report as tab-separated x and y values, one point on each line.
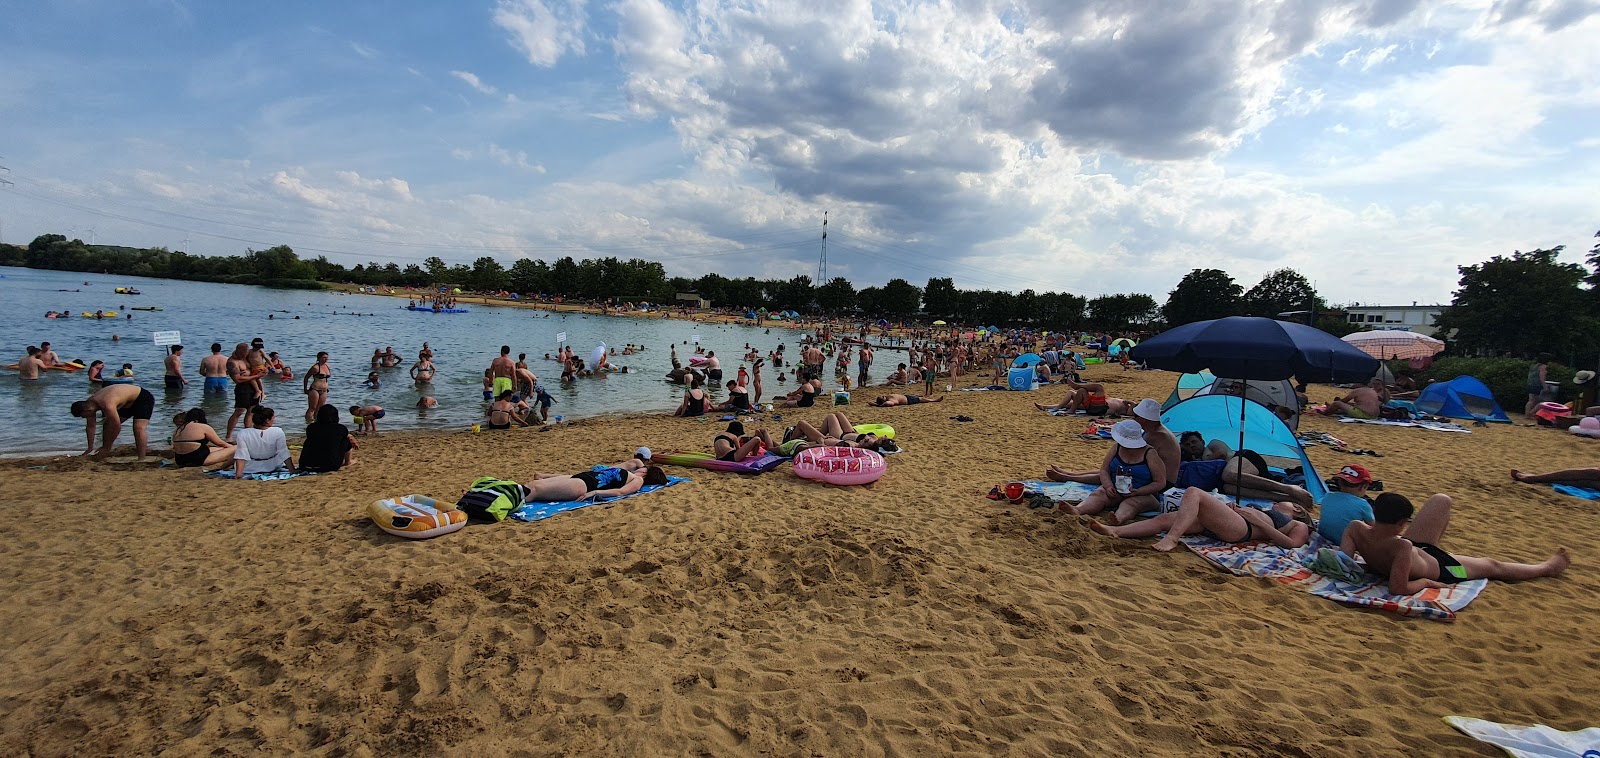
245	395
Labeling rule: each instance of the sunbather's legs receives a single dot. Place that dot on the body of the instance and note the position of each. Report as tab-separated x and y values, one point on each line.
1199	510
1138	530
1489	568
1576	477
1430	521
1058	474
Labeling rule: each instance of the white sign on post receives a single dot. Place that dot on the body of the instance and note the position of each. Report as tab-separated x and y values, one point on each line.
167	339
561	337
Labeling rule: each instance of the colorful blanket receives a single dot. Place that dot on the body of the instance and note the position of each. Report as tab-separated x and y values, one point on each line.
541	510
1061	492
271	476
1537	741
1583	492
1272	562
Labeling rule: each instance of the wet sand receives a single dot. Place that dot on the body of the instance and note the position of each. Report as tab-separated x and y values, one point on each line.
163	611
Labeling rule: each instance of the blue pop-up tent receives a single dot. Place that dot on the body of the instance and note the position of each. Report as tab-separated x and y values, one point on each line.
1217	417
1461	397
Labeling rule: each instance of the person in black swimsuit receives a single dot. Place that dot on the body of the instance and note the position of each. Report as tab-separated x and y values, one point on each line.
195	444
738	398
732	444
694	400
1406	550
117	402
805	396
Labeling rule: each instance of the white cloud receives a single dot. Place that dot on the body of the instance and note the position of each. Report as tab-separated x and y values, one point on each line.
364	51
543	30
474	82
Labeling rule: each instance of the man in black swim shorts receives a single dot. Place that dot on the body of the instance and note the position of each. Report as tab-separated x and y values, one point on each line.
117	401
1406	550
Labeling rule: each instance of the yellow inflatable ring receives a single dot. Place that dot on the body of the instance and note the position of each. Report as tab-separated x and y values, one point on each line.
882	430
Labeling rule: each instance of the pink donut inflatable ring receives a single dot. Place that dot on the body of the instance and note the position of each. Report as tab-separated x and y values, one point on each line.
840	465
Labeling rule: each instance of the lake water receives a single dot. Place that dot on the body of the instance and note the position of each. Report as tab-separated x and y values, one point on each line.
34	416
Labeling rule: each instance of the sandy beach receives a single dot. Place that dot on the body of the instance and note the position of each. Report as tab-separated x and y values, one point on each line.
162	611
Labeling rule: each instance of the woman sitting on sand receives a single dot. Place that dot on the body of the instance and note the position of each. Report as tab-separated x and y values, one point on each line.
732	444
262	447
588	485
804	396
196	444
1200	512
694	400
329	446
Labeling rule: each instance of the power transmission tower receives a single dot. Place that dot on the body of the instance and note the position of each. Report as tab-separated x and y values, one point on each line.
822	262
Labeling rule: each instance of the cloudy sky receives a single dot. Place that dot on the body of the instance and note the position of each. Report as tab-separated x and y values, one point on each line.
1091	146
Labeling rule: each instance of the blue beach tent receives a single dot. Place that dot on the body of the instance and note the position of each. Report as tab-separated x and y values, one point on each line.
1216	417
1461	397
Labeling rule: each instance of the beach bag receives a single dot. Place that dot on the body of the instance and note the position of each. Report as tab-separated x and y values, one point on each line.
491	499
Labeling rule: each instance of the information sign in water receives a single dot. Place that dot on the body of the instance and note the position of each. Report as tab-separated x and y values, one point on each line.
165	339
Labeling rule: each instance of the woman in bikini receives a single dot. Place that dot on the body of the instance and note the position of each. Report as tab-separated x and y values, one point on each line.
315	384
588	485
836	431
195	444
1200	512
502	412
733	445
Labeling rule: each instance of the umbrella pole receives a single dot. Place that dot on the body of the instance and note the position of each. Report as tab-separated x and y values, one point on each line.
1238	470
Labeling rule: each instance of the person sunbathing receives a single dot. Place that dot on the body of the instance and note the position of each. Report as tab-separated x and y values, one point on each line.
836	431
588	485
732	444
1200	512
889	401
1362	403
1572	477
1214	465
1089	397
1407	551
1131	476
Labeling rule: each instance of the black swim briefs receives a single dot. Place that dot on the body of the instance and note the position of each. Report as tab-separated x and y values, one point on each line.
143	406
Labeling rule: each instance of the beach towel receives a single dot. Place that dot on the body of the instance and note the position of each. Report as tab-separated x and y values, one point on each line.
1437	426
1537	741
534	510
270	476
1287	567
990	388
1061	492
1583	492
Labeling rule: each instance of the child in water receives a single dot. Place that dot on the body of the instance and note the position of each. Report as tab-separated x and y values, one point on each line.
367	416
126	372
542	400
373	382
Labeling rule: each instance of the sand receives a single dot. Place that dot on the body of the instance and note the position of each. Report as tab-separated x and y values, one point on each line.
162	611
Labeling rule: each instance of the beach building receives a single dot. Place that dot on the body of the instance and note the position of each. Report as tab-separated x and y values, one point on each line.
691	300
1408	318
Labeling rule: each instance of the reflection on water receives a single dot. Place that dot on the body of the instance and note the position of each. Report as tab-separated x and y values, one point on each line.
34	417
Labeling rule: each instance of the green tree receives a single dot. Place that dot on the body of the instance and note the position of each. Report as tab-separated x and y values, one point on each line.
529	275
487	275
564	276
1202	294
1282	291
438	272
1525	304
901	298
1122	311
870	301
837	296
940	297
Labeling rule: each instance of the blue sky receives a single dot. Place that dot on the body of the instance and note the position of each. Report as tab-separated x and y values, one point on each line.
1091	146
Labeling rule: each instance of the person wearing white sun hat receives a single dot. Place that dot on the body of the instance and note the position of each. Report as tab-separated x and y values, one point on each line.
1131	477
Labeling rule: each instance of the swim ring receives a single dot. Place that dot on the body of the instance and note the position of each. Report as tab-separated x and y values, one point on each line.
1588	427
882	430
839	465
415	517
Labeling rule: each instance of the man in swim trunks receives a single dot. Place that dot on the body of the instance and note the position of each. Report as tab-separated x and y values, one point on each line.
47	357
502	372
889	401
1362	402
1407	551
245	395
29	367
1088	397
116	401
174	363
214	368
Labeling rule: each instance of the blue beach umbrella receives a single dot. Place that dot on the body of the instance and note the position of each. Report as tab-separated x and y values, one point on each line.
1250	347
1027	360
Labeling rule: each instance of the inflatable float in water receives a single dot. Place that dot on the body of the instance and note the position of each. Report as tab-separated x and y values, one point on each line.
415	517
421	309
839	465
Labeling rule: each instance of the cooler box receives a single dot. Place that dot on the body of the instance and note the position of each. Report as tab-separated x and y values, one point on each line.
1020	379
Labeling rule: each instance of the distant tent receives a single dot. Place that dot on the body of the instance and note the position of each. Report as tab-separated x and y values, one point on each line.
1461	397
1216	417
1272	394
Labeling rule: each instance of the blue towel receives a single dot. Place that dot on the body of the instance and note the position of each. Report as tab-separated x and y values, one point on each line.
541	510
1583	492
270	476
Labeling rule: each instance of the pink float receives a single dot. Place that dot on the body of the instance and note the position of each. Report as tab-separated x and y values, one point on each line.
839	465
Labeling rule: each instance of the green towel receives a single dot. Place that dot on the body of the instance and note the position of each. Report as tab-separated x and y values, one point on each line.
1334	564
